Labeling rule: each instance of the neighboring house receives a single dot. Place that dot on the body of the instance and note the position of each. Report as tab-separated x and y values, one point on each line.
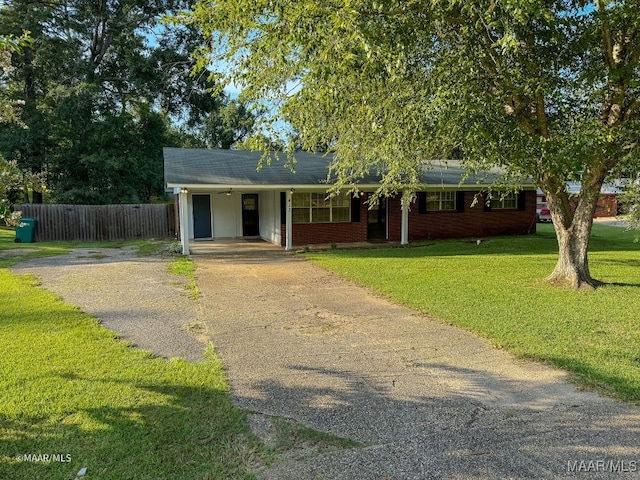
607	205
223	195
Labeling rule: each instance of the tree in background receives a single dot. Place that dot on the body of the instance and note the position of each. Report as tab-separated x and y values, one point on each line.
12	179
105	85
548	89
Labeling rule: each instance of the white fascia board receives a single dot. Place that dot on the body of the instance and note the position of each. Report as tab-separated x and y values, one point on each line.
429	187
257	187
366	187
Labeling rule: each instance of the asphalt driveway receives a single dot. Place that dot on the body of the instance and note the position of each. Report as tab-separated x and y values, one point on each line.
429	400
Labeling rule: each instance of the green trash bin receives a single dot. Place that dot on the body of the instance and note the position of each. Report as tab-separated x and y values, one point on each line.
24	231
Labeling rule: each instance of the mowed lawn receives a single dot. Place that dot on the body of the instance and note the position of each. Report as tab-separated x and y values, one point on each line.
496	289
71	391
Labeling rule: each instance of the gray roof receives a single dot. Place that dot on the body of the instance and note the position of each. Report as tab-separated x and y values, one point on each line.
223	168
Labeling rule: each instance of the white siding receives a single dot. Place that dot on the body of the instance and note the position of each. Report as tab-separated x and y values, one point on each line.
227	215
269	204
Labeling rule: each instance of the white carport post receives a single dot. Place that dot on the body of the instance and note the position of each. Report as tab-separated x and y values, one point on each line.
184	220
404	228
289	221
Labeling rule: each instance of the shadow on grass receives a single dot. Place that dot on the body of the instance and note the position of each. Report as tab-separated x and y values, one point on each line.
613	384
620	284
189	433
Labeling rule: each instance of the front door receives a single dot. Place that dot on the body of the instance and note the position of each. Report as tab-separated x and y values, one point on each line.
377	221
250	219
201	216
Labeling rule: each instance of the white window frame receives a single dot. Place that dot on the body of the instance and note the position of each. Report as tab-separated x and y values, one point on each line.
498	202
441	201
310	208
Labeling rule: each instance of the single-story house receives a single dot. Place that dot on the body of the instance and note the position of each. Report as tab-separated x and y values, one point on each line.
221	194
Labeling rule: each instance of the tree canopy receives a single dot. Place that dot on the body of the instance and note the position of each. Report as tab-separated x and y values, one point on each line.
104	85
547	89
11	178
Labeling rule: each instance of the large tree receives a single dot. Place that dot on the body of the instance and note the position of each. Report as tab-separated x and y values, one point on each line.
11	178
548	89
105	85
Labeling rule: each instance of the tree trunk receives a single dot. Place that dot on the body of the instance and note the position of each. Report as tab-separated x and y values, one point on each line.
573	220
572	269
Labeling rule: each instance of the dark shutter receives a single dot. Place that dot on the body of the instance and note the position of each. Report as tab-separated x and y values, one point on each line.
486	202
522	201
460	202
422	202
355	209
283	208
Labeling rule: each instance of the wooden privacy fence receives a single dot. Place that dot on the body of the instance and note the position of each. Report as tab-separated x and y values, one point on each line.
100	222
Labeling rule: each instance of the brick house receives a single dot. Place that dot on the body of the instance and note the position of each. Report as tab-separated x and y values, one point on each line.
221	194
607	205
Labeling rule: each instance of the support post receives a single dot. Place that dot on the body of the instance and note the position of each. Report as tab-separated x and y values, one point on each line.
404	228
289	234
184	221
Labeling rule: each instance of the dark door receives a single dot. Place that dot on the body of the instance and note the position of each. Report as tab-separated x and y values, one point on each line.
250	219
201	216
377	221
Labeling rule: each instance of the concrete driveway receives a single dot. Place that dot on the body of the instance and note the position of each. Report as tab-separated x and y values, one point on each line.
428	400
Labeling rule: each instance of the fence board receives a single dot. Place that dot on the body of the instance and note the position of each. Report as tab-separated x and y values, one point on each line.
89	223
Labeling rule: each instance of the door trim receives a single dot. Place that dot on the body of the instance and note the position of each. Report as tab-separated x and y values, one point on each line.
251	229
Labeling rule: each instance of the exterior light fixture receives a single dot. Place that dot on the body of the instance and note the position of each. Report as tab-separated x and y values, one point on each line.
184	190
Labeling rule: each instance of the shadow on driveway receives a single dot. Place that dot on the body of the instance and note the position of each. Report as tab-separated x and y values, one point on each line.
429	400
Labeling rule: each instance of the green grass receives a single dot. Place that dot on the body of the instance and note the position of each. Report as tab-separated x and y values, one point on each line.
69	387
496	289
184	266
290	435
71	390
145	246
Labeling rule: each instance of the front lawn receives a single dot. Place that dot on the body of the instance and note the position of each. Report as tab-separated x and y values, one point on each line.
496	289
73	396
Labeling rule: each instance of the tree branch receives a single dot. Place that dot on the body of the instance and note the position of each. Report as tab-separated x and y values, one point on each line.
631	109
607	43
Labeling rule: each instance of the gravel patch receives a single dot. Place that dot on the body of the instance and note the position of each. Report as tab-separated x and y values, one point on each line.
133	296
15	252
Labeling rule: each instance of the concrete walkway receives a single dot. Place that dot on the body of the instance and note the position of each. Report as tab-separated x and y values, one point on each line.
428	400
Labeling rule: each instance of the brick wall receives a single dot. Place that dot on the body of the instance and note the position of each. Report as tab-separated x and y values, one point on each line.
607	206
343	232
473	222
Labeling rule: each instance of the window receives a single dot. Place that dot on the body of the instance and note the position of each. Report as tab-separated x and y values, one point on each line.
317	208
508	201
441	201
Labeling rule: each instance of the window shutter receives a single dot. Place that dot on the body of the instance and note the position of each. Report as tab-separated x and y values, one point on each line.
460	202
422	202
283	208
522	201
487	205
355	209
